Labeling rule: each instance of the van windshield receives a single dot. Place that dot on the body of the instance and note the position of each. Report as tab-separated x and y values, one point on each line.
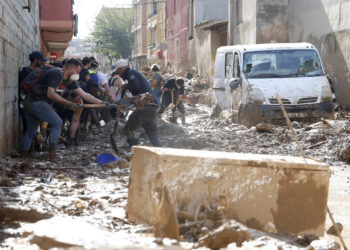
281	63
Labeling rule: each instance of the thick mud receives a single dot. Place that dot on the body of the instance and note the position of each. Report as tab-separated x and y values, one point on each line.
77	188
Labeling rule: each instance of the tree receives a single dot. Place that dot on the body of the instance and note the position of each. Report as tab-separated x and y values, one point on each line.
112	34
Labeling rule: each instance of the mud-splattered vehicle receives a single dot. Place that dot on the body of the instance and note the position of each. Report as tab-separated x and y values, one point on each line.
248	78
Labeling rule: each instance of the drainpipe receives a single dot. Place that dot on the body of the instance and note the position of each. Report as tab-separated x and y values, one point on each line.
191	17
231	22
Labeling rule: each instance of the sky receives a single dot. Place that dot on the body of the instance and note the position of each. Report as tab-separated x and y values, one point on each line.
87	11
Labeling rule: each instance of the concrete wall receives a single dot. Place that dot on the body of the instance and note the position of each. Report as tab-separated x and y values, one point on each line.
207	38
18	37
200	52
272	21
244	21
210	10
203	50
325	23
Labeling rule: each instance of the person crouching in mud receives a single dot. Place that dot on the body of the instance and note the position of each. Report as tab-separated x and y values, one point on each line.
173	91
145	116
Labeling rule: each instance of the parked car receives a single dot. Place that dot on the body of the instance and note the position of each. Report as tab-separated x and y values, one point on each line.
248	78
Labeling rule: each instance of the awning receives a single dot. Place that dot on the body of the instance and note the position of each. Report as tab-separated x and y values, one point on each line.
212	24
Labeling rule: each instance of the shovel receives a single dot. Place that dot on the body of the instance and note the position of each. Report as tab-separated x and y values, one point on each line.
172	119
114	133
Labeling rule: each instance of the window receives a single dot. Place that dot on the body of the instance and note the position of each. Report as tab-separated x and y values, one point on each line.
282	63
228	65
154	36
153	8
236	66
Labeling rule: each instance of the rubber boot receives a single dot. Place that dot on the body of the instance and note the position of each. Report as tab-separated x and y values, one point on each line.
133	141
183	120
53	157
23	154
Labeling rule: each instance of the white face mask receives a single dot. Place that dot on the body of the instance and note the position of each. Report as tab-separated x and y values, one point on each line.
74	77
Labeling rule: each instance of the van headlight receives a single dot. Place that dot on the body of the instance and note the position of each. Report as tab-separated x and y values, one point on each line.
326	94
256	96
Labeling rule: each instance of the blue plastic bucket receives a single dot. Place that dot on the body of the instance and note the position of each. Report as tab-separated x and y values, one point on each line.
105	158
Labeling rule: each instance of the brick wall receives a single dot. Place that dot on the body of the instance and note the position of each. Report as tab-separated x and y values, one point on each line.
18	37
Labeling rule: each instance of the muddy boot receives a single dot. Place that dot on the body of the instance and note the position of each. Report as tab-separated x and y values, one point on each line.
53	157
183	120
23	154
133	142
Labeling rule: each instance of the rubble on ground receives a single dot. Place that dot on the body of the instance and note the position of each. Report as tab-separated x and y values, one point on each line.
78	188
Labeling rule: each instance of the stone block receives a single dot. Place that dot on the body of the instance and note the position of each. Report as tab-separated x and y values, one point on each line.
278	194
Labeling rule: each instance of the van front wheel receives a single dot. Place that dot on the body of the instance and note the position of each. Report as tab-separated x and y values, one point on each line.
249	115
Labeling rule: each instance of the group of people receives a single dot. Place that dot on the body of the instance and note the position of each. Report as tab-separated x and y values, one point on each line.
55	93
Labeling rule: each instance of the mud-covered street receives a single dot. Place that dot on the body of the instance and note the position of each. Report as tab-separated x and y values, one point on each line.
77	191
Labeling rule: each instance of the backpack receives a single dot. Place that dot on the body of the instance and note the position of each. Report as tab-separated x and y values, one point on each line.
29	82
112	80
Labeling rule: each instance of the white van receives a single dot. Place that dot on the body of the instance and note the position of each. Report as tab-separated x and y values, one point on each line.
248	78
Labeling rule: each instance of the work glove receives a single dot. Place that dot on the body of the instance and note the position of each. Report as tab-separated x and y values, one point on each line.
72	106
107	105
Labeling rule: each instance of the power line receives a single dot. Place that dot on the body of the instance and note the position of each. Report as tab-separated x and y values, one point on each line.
152	2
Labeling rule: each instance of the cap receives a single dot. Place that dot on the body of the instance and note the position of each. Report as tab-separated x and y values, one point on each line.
92	84
155	67
86	60
37	55
121	63
94	64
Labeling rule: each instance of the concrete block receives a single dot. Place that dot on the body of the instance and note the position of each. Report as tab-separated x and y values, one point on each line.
278	194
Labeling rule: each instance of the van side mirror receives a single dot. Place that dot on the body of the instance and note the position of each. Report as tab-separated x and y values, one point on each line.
329	80
234	83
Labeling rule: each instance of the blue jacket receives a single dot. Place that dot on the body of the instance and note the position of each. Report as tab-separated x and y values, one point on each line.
137	83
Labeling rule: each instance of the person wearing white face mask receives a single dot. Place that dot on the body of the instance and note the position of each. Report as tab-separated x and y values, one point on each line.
74	93
39	88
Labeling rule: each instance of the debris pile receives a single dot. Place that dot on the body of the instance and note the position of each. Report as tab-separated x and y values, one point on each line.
77	188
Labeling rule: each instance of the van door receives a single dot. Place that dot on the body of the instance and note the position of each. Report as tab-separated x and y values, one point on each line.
237	92
229	76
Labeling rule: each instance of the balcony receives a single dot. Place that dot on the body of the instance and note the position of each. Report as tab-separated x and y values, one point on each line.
57	25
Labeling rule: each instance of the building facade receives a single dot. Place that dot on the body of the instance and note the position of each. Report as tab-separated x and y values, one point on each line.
57	26
323	23
19	36
207	32
156	44
139	53
177	35
25	26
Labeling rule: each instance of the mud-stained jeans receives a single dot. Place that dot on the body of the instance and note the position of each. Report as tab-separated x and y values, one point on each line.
40	111
147	118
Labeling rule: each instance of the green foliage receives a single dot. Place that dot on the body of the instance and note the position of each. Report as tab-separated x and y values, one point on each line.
112	34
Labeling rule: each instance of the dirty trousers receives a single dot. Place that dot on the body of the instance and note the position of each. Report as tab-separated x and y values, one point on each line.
147	118
35	112
166	100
